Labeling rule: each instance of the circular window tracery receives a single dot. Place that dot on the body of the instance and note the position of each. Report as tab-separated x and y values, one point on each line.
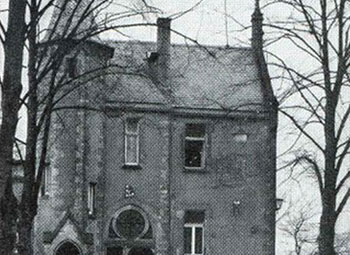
130	223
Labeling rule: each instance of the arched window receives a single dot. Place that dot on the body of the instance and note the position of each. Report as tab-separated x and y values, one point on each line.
130	223
68	248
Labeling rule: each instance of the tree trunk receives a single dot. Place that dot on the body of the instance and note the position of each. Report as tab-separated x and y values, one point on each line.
328	216
10	214
28	205
25	227
10	102
327	233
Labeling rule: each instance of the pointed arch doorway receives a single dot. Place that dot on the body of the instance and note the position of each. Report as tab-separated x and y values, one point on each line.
127	251
140	251
68	248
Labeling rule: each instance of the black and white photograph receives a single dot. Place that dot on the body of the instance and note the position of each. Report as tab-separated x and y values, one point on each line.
174	127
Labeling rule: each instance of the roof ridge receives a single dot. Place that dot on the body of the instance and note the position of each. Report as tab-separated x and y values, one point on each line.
179	44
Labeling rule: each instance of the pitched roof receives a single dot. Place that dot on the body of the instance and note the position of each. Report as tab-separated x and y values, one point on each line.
203	77
71	19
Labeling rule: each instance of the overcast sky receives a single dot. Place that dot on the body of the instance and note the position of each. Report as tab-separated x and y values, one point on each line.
206	23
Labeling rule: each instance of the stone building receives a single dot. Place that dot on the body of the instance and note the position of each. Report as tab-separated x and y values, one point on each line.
171	150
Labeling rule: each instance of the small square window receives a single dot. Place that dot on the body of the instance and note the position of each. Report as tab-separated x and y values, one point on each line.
240	137
195	146
132	142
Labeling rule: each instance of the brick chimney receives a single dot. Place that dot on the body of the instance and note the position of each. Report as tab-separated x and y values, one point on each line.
163	50
257	41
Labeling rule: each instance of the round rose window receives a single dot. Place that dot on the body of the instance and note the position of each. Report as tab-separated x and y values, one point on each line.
130	224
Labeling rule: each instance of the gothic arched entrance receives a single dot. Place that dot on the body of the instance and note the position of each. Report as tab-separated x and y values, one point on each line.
140	251
68	248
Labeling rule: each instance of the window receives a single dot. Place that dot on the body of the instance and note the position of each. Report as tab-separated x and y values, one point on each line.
68	248
46	181
91	199
132	142
193	233
240	137
194	146
130	224
71	67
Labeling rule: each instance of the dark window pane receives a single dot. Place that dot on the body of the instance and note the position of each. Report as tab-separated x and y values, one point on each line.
43	184
199	240
71	67
115	251
140	251
187	240
195	130
194	153
67	248
194	217
131	125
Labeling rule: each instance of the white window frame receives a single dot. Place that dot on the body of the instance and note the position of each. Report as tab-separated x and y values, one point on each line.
193	227
91	198
130	133
204	140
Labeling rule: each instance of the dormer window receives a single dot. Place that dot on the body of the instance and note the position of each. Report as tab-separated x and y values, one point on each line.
195	146
132	142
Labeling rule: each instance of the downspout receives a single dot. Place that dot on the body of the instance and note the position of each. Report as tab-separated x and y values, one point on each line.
163	69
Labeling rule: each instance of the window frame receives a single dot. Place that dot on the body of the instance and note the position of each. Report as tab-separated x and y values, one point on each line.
46	182
193	227
193	138
135	134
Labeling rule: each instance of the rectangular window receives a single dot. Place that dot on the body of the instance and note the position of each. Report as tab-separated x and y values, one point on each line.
46	181
193	233
71	67
91	199
195	146
132	142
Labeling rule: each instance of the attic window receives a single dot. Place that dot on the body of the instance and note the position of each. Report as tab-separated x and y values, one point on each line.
195	146
152	56
240	137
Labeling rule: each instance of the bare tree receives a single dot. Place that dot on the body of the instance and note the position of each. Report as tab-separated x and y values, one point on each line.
316	102
11	87
77	23
74	24
300	226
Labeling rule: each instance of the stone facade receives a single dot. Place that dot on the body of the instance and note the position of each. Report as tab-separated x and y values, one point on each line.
234	188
